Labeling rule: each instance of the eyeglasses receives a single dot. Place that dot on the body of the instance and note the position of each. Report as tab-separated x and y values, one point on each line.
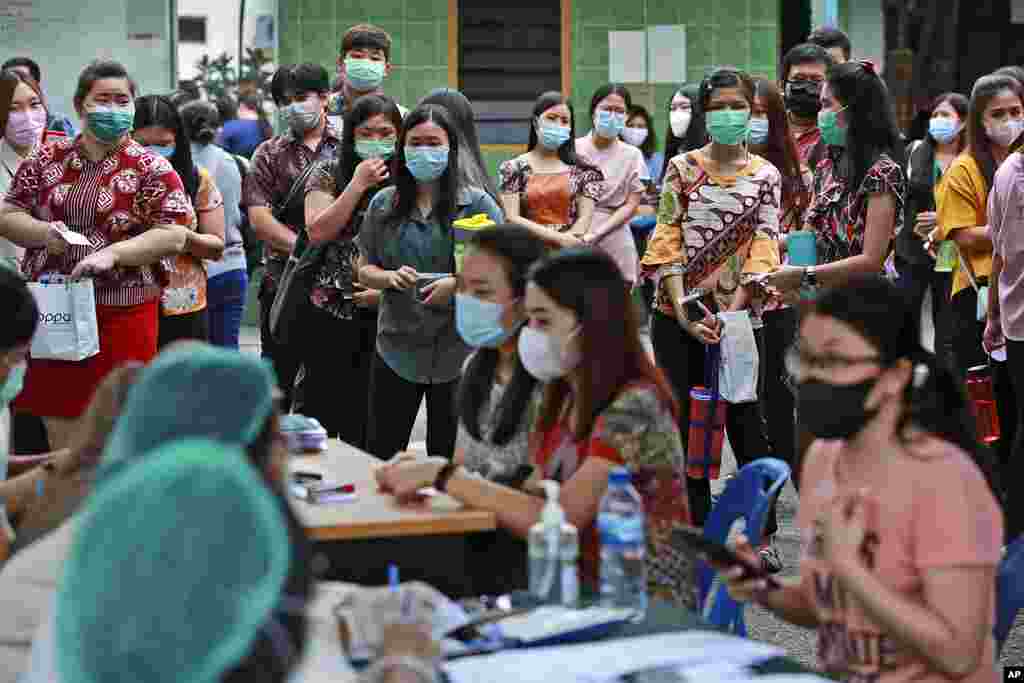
799	361
816	80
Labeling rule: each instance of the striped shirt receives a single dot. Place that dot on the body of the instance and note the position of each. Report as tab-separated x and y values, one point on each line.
119	197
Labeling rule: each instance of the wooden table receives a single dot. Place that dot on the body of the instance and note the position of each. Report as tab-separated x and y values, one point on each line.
437	541
375	514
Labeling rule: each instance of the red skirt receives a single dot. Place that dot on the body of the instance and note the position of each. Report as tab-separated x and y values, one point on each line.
56	388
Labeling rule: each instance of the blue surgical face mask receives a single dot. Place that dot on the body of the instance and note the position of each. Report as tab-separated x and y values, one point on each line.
479	322
166	151
943	129
609	124
426	164
13	384
552	135
759	129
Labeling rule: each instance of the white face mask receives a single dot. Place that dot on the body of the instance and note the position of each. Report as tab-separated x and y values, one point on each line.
680	122
1004	133
543	357
634	136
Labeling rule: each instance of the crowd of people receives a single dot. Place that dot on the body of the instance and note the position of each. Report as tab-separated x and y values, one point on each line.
558	319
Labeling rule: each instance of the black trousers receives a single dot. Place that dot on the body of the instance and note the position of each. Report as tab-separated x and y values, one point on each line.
917	279
337	357
682	358
173	328
966	332
778	400
286	360
394	403
1011	463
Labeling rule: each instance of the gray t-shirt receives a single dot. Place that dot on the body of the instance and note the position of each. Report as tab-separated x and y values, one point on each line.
419	343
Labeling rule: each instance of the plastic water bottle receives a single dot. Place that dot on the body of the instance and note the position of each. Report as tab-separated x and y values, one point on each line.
620	523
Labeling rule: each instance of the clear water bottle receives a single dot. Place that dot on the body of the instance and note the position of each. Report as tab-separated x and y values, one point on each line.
553	551
620	523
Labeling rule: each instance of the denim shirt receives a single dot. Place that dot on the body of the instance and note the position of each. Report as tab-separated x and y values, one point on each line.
419	343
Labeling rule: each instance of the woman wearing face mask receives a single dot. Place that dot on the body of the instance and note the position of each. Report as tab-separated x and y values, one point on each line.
624	175
183	306
343	311
927	161
717	227
23	115
550	190
407	243
686	128
994	121
496	395
104	176
605	406
472	169
859	188
639	132
901	533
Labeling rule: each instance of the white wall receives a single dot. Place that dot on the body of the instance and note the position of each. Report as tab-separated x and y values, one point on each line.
221	29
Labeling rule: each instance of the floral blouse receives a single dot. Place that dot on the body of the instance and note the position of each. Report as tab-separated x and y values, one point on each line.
516	176
638	431
333	287
839	215
186	288
488	459
716	231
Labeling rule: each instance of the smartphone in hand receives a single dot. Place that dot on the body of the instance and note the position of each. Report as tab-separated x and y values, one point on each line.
719	555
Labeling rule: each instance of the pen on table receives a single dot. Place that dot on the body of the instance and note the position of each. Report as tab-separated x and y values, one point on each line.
406	596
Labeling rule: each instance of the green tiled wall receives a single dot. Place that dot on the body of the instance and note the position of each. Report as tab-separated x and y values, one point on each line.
311	31
740	33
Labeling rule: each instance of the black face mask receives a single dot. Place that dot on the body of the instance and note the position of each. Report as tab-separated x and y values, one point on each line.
834	411
803	99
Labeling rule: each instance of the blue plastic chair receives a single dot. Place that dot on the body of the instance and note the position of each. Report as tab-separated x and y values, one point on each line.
1009	591
746	496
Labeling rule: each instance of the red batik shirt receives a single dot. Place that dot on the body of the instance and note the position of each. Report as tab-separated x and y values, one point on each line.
126	193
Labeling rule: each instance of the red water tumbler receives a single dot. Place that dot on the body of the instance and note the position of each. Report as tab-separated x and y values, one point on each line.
707	434
983	403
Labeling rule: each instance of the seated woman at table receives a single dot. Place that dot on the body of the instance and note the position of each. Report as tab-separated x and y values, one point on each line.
497	398
605	406
901	533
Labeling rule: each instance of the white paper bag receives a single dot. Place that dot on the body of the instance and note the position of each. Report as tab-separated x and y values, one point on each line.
738	369
67	321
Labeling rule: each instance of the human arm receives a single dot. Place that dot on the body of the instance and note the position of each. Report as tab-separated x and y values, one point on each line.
993	337
512	206
326	216
22	228
584	216
207	242
621	216
259	194
788	602
372	272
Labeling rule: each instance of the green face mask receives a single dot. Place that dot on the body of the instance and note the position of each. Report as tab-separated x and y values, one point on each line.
364	74
831	133
375	149
729	126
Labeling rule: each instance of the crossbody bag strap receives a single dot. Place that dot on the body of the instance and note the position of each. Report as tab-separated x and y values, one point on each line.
296	187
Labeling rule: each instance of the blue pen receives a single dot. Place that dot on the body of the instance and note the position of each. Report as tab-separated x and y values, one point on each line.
406	596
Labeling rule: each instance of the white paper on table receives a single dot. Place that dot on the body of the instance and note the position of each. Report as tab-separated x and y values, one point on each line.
609	660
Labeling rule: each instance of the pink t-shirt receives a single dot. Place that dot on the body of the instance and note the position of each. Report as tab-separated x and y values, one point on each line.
1005	219
624	172
929	508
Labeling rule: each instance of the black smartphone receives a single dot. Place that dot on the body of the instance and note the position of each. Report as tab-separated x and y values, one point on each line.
718	554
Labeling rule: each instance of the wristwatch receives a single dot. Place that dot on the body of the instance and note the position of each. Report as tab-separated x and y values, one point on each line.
810	278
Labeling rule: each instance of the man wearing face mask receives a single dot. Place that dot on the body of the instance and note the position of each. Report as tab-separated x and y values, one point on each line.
273	192
804	69
364	63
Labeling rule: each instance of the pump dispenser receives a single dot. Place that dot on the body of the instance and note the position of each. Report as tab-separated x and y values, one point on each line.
553	550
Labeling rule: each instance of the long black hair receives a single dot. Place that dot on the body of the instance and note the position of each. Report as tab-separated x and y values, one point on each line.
871	123
922	178
885	316
158	111
364	108
978	144
518	250
567	152
405	183
471	161
696	135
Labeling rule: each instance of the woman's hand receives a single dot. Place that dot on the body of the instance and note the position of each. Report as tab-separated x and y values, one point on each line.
98	263
707	330
742	589
843	529
785	279
439	292
370	173
993	337
55	242
403	278
364	297
924	224
404	479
